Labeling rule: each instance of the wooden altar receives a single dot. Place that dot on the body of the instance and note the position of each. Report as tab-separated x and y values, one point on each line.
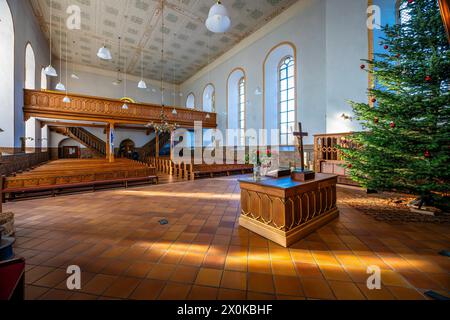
285	211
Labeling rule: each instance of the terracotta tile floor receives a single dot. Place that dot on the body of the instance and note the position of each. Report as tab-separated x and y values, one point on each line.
124	253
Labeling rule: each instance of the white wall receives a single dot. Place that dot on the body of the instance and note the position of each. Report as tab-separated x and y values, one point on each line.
7	76
347	43
331	38
303	25
99	82
139	137
26	29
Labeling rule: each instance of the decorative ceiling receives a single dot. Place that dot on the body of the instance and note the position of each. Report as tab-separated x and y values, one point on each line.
189	46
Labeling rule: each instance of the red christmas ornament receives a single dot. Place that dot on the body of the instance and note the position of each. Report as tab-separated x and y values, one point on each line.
376	120
392	124
386	47
427	154
374	100
362	67
410	1
349	166
428	78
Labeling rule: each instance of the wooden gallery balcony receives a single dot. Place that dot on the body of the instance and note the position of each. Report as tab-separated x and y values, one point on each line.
49	104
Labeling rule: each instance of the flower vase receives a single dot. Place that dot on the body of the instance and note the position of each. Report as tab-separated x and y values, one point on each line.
256	172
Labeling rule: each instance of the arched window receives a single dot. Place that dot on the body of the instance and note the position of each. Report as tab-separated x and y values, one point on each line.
279	96
30	68
209	99
43	79
190	101
287	100
241	107
7	76
236	103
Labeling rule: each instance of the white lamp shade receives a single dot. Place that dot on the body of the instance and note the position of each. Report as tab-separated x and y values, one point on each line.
104	53
50	71
125	106
142	85
66	99
218	19
60	87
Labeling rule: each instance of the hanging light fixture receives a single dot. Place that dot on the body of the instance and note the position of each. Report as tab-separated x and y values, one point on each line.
163	124
103	53
66	98
118	81
218	19
142	84
125	106
50	70
60	86
73	75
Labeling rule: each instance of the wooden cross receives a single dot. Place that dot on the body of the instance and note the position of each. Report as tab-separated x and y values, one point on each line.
299	135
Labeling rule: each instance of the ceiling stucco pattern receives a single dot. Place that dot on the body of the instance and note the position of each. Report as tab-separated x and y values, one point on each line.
189	46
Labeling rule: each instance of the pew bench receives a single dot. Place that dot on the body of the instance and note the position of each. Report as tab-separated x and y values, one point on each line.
206	170
10	194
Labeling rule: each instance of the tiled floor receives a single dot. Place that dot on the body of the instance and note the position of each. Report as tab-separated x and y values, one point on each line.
124	253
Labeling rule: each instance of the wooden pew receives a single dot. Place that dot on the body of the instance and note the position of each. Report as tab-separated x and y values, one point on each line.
202	170
70	175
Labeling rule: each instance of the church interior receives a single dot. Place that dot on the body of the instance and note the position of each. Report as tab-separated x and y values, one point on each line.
231	150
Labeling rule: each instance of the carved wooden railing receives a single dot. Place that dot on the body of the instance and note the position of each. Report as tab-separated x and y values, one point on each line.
88	139
15	163
327	156
50	104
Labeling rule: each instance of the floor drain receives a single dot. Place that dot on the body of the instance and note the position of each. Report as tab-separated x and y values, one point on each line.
163	222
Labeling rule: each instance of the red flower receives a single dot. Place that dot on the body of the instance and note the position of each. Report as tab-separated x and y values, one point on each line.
428	78
427	154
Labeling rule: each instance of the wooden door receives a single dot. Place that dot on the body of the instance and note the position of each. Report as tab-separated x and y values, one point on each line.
71	152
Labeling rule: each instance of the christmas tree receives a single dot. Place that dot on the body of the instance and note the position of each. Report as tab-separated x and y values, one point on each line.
405	144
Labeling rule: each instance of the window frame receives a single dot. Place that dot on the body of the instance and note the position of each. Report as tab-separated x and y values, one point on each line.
242	109
294	100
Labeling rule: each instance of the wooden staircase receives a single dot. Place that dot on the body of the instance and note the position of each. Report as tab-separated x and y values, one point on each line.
84	137
150	148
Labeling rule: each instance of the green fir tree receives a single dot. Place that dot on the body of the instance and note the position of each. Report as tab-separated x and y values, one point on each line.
405	145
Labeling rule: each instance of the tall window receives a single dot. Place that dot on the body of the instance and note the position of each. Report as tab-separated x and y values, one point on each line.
287	101
43	79
190	101
242	110
30	68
